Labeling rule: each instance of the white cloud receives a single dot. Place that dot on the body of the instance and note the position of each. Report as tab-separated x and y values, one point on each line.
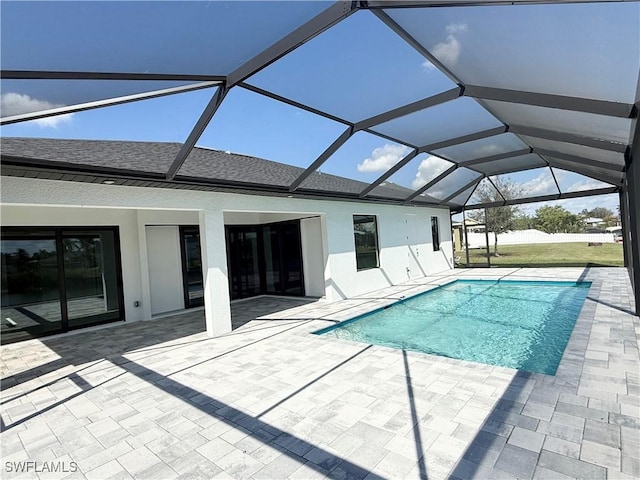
543	184
17	104
383	158
429	169
454	28
586	184
448	51
578	183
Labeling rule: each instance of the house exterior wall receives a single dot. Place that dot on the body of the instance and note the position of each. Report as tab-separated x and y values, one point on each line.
328	239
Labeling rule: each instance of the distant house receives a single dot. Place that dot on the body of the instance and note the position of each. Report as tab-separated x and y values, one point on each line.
594	222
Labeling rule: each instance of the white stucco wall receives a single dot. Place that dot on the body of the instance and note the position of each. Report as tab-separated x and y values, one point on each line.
145	206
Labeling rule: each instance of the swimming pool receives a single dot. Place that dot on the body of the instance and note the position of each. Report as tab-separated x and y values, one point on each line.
518	324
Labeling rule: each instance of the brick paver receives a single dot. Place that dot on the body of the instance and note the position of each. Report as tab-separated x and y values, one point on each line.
160	399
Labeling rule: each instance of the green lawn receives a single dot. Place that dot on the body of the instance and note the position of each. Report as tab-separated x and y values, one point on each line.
548	255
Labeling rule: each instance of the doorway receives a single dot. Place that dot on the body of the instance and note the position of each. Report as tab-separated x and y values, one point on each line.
193	285
265	259
175	267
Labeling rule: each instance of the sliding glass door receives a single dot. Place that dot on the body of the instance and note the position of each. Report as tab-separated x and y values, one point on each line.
56	279
265	259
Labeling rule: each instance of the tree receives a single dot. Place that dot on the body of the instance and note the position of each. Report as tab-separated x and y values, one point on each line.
524	222
601	212
497	219
557	220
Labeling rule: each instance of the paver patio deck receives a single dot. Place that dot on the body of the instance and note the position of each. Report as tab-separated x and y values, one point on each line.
161	400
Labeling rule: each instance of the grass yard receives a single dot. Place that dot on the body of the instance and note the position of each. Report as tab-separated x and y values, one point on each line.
548	255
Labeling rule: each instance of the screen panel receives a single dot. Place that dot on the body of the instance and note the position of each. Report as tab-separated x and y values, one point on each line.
574	182
530	183
452	119
251	124
27	96
589	50
416	174
462	198
152	37
577	123
163	119
364	157
522	162
485	193
484	147
607	156
452	182
346	71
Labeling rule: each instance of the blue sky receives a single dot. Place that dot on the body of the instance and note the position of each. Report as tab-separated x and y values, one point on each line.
342	73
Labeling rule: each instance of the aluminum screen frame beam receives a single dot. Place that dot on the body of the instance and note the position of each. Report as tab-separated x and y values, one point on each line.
293	103
56	75
428	148
431	183
431	101
561	102
390	4
491	158
632	194
568	138
585	172
473	182
318	24
108	102
407	37
581	160
406	159
324	156
288	43
197	131
546	198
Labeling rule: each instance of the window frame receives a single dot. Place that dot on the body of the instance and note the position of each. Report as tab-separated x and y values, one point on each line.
376	238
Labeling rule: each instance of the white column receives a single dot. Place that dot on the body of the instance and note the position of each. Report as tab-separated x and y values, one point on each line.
217	308
330	288
145	301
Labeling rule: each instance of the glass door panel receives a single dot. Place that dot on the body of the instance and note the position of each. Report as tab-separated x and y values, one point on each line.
192	267
91	277
243	261
250	267
291	255
30	287
271	260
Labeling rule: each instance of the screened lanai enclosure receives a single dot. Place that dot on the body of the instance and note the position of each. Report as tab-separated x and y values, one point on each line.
413	102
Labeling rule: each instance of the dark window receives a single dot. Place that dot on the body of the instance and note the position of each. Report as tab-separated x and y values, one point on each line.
435	233
365	231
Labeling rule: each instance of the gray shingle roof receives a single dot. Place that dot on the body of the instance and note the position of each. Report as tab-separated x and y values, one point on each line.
156	157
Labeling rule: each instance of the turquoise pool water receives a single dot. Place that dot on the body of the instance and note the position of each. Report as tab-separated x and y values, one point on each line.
523	325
